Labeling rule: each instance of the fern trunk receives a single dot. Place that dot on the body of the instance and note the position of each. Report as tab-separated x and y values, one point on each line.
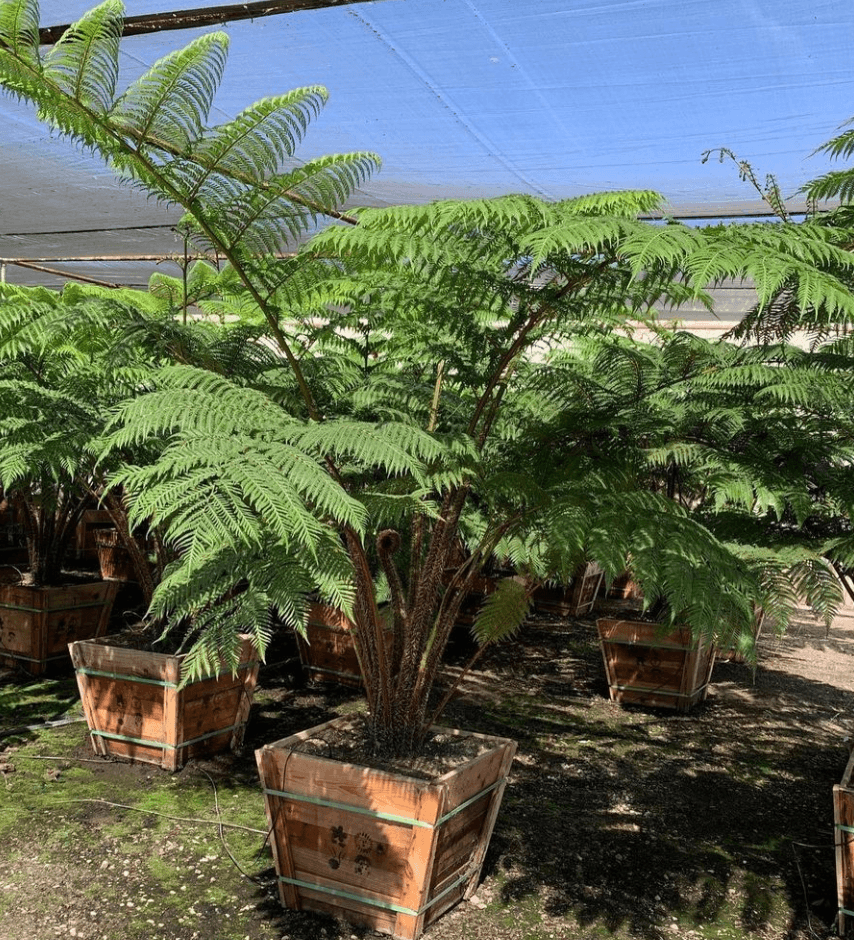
399	685
49	531
146	574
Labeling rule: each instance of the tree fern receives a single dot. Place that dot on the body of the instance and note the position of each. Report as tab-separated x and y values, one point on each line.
465	408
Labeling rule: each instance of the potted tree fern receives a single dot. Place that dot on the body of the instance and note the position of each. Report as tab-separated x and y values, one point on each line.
46	470
409	341
87	352
719	430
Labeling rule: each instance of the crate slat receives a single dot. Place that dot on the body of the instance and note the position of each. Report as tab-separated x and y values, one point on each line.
575	600
843	827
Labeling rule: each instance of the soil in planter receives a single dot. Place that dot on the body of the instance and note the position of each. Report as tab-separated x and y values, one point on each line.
440	753
147	639
12	574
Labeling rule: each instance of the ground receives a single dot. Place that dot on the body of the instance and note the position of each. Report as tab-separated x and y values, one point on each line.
616	822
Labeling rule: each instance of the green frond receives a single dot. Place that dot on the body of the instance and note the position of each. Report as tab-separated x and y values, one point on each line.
834	185
627	203
396	448
396	509
837	184
169	104
648	247
262	137
84	62
19	30
503	612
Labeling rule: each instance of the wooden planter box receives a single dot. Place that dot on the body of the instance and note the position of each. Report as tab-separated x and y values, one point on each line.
85	548
645	667
135	709
731	652
328	652
843	826
385	850
577	599
113	557
38	623
625	588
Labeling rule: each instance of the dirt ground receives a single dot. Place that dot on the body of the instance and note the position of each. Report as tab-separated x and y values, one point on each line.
617	822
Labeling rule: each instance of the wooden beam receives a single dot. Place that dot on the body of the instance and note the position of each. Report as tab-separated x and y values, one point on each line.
203	16
109	259
63	274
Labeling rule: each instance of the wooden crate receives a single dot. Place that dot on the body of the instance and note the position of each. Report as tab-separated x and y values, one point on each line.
380	849
624	587
38	623
136	710
730	651
13	547
577	599
646	667
113	558
843	825
328	652
85	548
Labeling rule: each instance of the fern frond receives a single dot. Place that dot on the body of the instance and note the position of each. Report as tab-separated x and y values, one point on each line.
503	612
262	137
19	30
170	103
84	62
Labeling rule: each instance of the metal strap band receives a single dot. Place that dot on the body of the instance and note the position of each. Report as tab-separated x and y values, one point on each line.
385	905
654	691
333	804
844	910
51	610
322	670
844	828
161	744
389	817
86	671
32	659
651	646
469	801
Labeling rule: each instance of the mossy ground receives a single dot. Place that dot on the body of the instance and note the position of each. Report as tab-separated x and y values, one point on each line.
617	823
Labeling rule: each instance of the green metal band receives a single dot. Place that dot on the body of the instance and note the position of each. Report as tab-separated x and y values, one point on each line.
32	659
653	646
161	744
844	910
86	671
51	610
332	804
385	905
389	817
335	672
468	802
843	828
640	688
